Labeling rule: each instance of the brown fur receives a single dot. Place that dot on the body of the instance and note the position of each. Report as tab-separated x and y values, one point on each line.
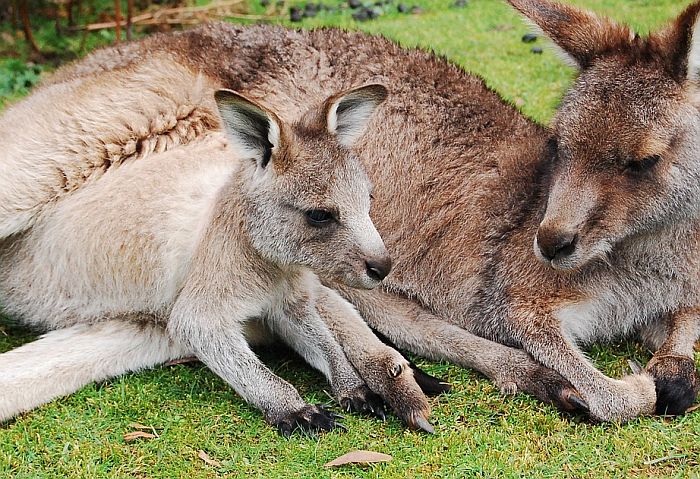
483	182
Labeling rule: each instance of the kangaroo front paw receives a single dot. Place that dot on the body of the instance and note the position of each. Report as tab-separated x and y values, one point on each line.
677	383
391	376
362	400
405	396
308	419
624	399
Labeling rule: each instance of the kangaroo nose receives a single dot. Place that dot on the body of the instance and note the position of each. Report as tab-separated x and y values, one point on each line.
378	268
555	243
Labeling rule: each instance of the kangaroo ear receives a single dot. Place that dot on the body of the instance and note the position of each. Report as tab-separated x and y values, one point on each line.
348	113
252	130
681	42
581	35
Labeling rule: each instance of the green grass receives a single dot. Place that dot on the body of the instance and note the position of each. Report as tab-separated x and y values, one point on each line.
479	432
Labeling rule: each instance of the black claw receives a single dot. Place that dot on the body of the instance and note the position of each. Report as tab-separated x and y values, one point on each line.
577	402
309	419
364	401
430	385
340	425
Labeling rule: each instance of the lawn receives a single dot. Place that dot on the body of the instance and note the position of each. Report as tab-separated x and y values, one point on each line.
479	433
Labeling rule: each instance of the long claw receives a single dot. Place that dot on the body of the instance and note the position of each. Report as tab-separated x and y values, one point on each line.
635	366
578	402
423	424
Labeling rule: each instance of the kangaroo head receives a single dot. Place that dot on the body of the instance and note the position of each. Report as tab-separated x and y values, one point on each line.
624	148
307	196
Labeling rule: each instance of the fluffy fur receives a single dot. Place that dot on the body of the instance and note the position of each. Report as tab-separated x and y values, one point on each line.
188	240
505	233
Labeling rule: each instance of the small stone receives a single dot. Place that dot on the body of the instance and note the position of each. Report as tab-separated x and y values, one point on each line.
354	3
529	38
361	15
295	14
460	4
402	8
310	10
265	3
416	10
536	50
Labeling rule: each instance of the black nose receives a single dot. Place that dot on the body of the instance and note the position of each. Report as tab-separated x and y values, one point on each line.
378	268
556	244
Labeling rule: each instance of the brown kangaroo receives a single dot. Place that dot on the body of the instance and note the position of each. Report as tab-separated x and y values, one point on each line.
513	244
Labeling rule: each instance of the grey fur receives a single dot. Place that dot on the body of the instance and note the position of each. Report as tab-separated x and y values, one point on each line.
195	246
490	195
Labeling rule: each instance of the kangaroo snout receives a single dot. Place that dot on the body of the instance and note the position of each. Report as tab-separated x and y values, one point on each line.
378	268
555	243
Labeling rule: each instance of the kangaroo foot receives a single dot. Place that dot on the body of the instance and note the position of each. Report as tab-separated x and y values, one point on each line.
677	382
362	400
309	419
521	374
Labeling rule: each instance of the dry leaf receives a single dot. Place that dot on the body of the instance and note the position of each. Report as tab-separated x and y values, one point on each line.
132	436
7	38
135	425
692	408
208	460
359	457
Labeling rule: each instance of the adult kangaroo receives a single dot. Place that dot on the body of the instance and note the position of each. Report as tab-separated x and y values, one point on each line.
513	244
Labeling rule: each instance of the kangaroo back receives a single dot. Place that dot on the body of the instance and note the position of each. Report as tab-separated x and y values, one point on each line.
83	128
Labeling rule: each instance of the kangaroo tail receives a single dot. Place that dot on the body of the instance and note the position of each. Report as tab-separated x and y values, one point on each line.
63	361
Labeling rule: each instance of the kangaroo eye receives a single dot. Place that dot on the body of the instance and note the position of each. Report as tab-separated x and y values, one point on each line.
643	165
318	218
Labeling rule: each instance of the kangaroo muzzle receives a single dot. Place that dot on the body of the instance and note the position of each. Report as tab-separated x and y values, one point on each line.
555	243
378	268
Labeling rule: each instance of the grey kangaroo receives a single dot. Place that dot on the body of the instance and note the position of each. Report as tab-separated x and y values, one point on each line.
162	237
514	245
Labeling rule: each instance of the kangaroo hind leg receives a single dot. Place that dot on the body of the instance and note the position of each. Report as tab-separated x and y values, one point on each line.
62	361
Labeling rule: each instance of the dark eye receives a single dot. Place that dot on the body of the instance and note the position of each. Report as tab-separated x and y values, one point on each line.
318	217
640	166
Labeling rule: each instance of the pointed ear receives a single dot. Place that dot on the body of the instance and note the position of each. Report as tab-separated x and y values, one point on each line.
252	130
348	113
581	35
681	44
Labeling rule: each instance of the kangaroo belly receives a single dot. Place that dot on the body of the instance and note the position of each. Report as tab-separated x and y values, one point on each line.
118	245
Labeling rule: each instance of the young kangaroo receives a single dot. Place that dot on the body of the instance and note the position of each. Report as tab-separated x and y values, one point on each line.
513	245
182	242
